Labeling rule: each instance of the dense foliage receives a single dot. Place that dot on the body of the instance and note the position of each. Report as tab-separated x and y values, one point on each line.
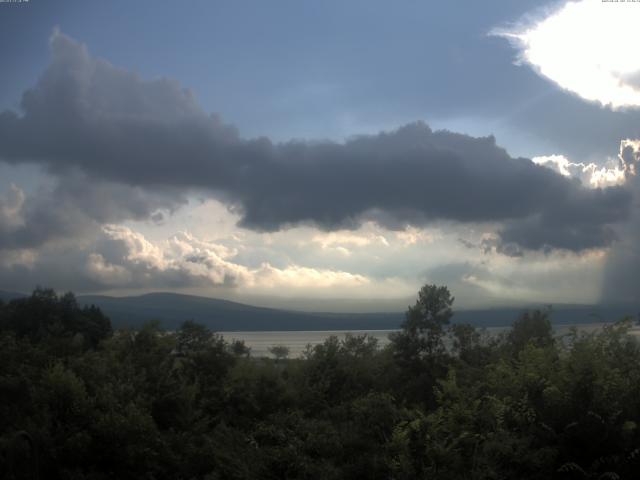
441	401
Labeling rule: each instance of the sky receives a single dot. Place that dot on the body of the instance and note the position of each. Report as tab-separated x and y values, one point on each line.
321	155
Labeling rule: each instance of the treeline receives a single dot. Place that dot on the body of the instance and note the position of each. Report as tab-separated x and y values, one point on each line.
80	401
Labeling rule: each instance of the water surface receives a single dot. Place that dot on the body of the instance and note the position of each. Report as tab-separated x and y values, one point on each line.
297	341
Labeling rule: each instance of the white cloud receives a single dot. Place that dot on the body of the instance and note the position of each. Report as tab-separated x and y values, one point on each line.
200	262
629	155
346	242
615	171
105	273
414	236
589	47
302	277
139	249
589	173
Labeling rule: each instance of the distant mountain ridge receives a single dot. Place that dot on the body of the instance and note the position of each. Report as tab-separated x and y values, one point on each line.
171	309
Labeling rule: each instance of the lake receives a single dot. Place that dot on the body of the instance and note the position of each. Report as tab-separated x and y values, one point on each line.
297	341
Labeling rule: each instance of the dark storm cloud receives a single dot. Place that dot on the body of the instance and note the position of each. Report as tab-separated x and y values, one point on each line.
86	115
568	224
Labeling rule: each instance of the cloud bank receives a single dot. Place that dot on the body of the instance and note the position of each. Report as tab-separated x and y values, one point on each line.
149	143
117	257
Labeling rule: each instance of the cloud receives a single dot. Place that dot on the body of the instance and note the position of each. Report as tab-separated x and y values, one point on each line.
88	118
620	276
75	206
342	240
181	261
121	258
588	48
413	236
589	173
184	260
616	171
493	279
105	273
303	277
10	208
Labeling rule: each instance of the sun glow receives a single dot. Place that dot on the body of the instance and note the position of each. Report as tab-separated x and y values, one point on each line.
589	48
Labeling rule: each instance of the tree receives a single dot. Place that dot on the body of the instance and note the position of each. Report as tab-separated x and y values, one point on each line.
280	352
193	337
468	344
239	348
534	327
58	320
418	349
423	329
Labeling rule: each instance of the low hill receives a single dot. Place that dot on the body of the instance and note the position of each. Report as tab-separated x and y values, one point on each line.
222	315
172	309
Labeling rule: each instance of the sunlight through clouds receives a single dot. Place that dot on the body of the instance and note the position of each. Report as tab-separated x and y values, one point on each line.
589	48
589	173
616	171
199	261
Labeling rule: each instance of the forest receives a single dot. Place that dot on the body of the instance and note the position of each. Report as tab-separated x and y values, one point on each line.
443	400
